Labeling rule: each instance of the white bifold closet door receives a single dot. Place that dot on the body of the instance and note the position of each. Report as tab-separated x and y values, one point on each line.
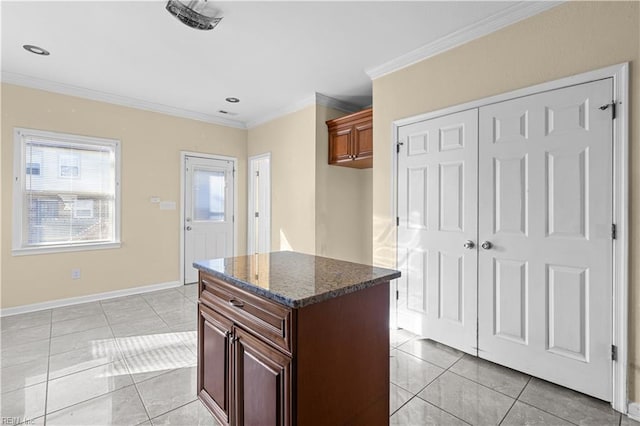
437	207
504	236
545	287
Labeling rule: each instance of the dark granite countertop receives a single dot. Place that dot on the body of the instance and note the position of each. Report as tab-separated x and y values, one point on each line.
295	279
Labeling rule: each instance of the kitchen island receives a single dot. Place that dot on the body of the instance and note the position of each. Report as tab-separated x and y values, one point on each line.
286	338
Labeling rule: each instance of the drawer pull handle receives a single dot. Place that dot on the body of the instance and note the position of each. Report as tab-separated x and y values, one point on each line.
236	303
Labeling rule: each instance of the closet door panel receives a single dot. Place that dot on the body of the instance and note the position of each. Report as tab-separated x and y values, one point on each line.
437	207
545	205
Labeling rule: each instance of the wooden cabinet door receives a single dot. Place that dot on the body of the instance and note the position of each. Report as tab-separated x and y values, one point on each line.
363	140
340	144
215	363
262	382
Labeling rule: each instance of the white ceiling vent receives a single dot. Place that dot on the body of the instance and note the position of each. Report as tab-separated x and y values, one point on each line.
198	14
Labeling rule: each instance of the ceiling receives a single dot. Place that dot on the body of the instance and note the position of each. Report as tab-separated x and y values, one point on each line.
271	55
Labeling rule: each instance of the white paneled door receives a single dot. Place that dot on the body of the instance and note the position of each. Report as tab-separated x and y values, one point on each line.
259	201
437	208
507	208
545	286
208	212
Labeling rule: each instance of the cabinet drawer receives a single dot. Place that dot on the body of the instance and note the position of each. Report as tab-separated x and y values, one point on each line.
264	318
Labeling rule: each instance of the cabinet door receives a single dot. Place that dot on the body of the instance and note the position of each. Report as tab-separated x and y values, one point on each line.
340	144
363	140
262	382
214	362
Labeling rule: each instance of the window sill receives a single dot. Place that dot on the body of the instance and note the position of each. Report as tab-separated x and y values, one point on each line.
64	248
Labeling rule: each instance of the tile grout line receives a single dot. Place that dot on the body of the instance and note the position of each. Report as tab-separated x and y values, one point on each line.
46	386
90	399
434	405
144	406
168	325
174	409
490	388
428	362
556	415
448	369
545	411
471	380
514	401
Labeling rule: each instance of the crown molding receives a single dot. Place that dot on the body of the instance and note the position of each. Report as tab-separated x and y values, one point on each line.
314	99
504	18
95	95
334	103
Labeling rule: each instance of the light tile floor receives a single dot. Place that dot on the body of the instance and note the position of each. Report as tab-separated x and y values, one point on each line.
433	384
131	361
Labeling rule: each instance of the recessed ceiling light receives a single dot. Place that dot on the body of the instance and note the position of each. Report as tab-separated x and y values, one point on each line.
223	111
35	49
232	100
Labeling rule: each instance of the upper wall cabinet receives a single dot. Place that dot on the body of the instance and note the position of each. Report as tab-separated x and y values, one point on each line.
351	140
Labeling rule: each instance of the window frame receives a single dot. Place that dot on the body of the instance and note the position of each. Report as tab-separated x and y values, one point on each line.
19	174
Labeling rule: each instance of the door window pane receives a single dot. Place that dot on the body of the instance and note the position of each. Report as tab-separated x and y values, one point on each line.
208	195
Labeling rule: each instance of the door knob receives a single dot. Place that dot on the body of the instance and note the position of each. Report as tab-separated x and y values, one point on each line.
188	228
469	244
487	245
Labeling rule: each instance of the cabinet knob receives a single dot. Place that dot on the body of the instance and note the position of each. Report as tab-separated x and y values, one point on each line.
469	244
487	245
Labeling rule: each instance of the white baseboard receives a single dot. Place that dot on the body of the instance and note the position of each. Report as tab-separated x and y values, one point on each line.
58	303
634	411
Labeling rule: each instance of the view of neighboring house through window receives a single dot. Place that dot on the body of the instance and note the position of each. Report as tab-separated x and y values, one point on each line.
66	192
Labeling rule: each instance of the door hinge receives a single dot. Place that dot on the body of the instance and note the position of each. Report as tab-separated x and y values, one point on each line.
397	295
398	146
258	173
614	231
613	109
614	353
397	220
257	214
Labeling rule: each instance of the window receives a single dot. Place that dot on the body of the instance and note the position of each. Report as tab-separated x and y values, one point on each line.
66	192
208	195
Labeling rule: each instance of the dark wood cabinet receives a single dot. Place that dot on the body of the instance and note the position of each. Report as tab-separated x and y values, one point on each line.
262	382
264	363
215	334
351	140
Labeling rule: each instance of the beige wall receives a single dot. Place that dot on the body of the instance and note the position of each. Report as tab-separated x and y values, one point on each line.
315	208
151	145
343	201
291	141
572	38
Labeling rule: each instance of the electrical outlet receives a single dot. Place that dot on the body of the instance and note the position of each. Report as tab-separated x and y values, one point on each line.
75	274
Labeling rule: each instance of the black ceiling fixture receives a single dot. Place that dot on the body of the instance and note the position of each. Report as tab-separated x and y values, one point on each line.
198	14
232	100
35	49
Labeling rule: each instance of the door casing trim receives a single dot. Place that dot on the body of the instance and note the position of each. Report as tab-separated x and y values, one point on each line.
620	279
250	196
234	160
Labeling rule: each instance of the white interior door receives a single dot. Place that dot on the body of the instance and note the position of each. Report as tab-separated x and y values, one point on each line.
545	196
259	217
437	208
208	211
